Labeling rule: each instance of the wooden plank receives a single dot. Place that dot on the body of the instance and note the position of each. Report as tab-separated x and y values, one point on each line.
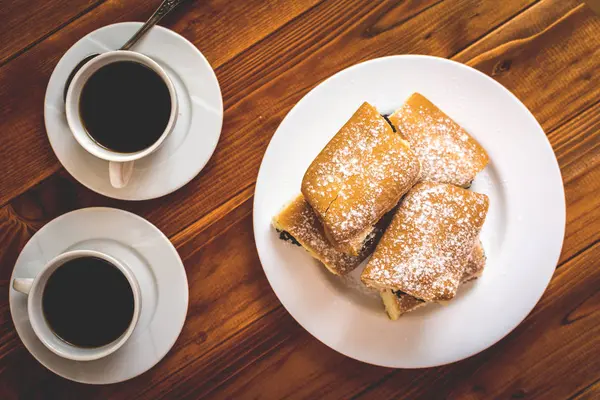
261	84
237	340
591	392
577	146
26	22
554	43
219	28
224	351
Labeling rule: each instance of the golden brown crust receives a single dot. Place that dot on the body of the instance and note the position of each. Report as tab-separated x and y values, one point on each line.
397	304
359	176
299	220
425	249
447	152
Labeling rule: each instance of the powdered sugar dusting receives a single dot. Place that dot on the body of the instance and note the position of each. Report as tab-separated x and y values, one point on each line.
360	175
475	265
447	152
425	249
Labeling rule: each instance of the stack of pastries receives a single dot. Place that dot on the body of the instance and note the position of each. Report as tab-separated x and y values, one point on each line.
394	189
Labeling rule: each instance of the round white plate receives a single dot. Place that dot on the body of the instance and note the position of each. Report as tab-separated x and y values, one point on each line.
187	149
156	265
522	235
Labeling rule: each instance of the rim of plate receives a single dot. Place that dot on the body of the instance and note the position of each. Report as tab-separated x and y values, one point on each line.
560	218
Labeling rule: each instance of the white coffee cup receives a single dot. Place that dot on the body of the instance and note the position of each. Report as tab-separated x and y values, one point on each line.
34	288
120	167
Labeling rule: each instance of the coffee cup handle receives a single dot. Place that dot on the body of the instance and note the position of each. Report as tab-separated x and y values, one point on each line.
120	173
23	285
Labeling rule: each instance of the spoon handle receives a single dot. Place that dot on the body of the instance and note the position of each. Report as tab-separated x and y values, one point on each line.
165	7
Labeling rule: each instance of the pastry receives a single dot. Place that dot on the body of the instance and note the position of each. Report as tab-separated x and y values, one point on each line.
298	224
446	151
424	251
358	177
397	303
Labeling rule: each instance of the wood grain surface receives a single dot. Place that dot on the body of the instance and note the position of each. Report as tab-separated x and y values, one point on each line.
238	341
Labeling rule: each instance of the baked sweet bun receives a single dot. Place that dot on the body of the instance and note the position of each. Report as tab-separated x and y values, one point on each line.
424	251
397	303
297	223
447	152
359	176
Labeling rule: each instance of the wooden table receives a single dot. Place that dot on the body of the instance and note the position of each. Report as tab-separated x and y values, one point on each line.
238	341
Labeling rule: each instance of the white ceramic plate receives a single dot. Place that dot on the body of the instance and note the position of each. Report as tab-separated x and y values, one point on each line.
156	265
185	151
522	235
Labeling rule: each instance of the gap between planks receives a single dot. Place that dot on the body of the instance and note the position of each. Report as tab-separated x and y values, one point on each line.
50	33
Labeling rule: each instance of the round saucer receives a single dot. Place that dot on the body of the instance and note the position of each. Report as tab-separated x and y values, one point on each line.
157	267
187	149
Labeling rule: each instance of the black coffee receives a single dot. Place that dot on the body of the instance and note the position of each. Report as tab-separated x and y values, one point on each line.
125	106
88	302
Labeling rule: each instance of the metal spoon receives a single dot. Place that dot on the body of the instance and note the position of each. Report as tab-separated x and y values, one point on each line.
165	7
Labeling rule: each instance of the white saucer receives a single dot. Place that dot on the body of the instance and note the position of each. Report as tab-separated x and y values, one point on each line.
522	235
157	267
187	149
